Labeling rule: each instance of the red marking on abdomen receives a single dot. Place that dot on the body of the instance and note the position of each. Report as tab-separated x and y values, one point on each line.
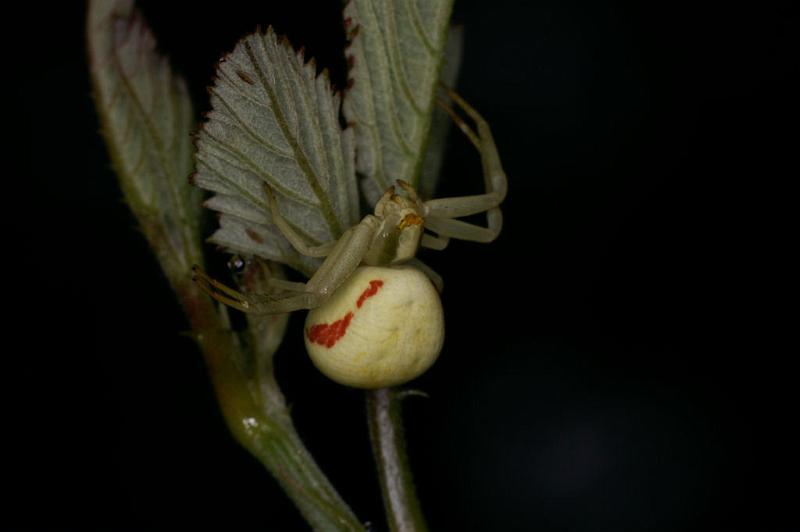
374	286
328	334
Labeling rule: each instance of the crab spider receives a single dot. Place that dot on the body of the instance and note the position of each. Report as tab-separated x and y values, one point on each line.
370	282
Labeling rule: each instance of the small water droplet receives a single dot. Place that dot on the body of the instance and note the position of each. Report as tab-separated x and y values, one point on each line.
237	264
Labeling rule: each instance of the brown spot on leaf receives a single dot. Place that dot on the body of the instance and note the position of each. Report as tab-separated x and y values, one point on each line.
255	237
244	76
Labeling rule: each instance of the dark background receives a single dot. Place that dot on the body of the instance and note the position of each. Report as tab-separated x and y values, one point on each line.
619	359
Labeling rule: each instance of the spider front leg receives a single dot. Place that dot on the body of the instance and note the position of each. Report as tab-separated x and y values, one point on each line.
293	236
440	213
343	259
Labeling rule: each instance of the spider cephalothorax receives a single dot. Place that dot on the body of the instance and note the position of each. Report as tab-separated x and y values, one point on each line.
400	228
376	318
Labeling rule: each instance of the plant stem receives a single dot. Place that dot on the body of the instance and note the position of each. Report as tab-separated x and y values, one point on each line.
266	431
281	451
403	511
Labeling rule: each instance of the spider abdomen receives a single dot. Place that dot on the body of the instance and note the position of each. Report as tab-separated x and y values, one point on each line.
382	327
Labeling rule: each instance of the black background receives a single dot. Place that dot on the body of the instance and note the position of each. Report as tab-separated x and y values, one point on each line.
617	360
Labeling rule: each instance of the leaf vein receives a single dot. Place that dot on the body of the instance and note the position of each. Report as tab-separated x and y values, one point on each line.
324	205
230	82
242	125
255	169
413	11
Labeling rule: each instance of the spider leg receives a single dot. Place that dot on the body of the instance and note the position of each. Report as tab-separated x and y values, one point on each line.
343	259
412	194
448	228
434	242
288	286
463	126
219	291
439	212
294	238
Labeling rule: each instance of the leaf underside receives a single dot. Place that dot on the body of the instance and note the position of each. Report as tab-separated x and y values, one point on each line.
275	123
395	56
440	123
146	117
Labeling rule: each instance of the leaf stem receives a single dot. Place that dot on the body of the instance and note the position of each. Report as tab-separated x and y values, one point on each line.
403	511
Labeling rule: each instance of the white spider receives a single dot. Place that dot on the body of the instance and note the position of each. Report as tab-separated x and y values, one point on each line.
376	319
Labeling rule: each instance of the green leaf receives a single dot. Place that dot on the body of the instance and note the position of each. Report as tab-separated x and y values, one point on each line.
146	118
440	125
395	58
274	122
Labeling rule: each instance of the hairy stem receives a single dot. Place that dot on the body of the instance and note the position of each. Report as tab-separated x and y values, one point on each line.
403	511
266	430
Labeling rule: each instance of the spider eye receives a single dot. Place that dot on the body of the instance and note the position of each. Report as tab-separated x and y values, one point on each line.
236	264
